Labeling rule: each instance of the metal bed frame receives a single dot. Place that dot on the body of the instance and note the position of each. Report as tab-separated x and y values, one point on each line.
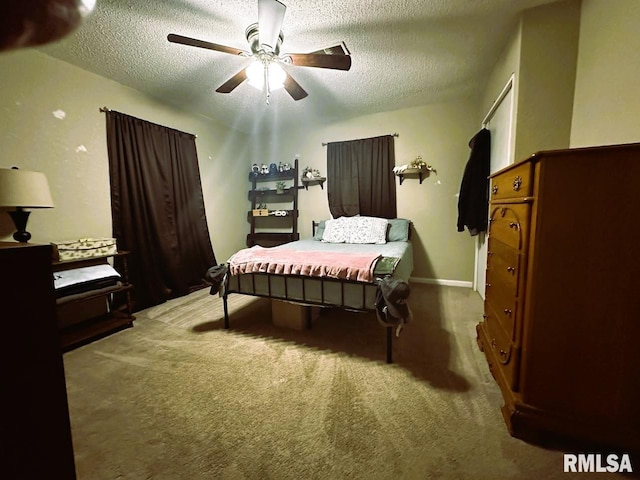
305	297
306	300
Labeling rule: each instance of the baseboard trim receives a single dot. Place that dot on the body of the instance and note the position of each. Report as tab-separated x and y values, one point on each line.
439	281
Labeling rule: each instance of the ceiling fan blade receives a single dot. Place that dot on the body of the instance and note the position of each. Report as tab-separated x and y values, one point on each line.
293	88
192	42
233	82
337	62
270	18
340	49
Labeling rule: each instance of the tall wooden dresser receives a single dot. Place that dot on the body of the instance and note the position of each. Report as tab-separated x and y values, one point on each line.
561	327
36	430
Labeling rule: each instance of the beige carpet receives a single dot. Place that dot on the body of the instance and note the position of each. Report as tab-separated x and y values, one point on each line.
179	397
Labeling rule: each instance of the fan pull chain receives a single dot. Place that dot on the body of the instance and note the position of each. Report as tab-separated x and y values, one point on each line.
266	82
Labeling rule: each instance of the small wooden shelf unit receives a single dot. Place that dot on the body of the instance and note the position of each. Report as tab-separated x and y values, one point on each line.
272	227
116	317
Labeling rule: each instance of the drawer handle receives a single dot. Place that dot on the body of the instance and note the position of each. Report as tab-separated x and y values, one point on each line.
511	269
508	311
485	316
514	225
517	183
494	189
487	285
489	253
503	353
493	343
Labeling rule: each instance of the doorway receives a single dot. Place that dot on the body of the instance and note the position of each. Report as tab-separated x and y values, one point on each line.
499	121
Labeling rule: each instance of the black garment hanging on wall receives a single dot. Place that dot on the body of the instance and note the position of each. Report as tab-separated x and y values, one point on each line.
473	202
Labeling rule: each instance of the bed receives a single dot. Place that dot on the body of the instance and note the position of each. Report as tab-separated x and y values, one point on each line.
340	266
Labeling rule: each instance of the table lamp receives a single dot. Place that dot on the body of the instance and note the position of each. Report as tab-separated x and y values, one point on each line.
20	189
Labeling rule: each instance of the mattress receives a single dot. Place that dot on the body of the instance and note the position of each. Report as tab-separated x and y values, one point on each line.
397	261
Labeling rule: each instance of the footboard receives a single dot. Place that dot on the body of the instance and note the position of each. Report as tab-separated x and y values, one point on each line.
325	292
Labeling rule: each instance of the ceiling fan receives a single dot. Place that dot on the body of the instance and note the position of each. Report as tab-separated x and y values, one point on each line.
265	39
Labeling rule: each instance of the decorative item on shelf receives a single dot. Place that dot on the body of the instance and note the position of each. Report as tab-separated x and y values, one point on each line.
260	212
280	187
83	248
255	169
287	167
264	169
279	213
417	167
20	189
312	176
273	168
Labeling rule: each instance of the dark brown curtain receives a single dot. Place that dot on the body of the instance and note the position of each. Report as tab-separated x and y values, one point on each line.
360	179
158	208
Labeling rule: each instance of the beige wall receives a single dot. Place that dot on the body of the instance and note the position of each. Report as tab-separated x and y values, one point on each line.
508	63
51	123
440	134
607	93
577	71
549	49
71	151
542	52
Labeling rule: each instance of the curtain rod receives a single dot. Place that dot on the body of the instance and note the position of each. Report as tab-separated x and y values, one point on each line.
107	109
498	101
392	134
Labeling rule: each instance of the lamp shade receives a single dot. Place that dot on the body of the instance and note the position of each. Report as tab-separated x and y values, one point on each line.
24	188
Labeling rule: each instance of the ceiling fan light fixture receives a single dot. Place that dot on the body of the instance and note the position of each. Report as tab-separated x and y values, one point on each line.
256	75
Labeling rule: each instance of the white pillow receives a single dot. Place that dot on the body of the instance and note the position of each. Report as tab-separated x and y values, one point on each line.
336	231
368	230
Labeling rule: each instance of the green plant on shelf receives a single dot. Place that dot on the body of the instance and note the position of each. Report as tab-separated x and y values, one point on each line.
280	186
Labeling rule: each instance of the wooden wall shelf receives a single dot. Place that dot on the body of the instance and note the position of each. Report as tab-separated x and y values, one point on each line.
306	182
413	173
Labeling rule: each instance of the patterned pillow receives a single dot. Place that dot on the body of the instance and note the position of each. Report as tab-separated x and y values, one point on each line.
368	230
336	231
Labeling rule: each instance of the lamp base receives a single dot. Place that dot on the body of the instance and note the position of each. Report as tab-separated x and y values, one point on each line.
20	218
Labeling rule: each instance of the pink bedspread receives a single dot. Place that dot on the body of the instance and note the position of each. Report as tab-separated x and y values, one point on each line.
312	264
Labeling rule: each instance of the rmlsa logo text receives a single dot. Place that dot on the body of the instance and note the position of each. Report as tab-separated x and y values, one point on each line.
596	462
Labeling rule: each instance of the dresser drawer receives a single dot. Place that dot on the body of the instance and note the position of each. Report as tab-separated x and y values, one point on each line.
504	263
505	306
504	351
509	224
516	182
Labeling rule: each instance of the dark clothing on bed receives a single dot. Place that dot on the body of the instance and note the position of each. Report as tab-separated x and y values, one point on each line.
392	309
473	202
215	276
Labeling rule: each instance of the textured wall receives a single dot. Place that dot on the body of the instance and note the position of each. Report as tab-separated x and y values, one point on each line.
549	49
440	134
607	94
51	122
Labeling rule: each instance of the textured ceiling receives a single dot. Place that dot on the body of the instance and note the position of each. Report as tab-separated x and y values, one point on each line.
404	53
